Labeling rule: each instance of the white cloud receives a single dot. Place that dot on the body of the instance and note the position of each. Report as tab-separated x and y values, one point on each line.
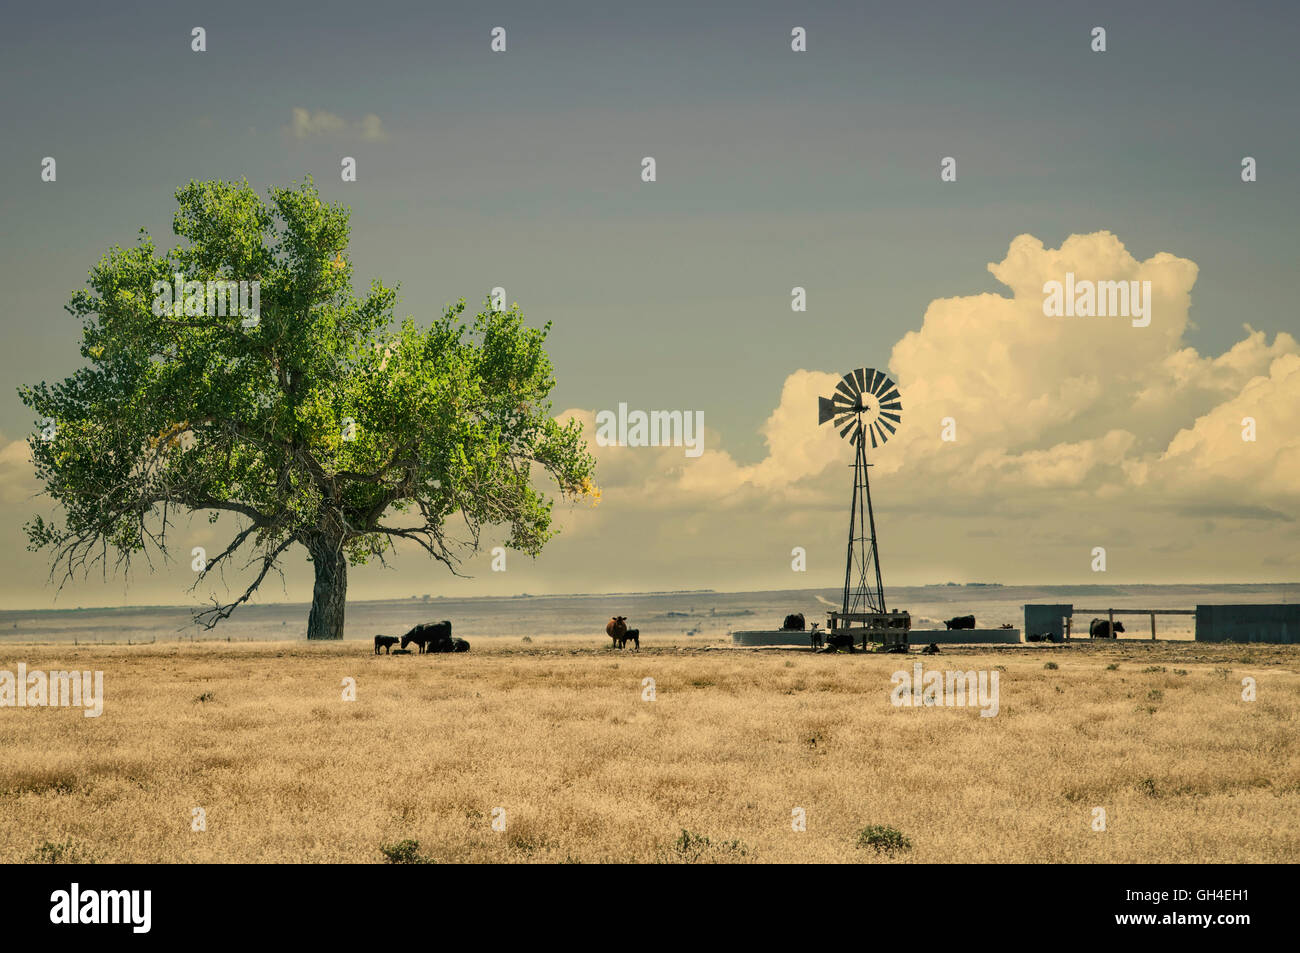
18	482
306	124
1056	418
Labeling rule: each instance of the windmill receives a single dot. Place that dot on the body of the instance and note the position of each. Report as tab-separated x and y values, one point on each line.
865	406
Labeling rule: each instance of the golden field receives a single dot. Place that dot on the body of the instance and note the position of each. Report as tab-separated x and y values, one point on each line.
558	735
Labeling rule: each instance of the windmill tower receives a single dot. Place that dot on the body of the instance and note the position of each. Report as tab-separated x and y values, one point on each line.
865	406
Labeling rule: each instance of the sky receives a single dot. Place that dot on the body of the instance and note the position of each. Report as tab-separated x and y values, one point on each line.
774	169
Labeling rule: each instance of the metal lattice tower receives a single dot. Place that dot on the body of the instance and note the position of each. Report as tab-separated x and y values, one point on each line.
865	405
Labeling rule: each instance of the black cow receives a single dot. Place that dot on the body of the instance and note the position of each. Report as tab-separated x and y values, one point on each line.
960	622
632	635
449	645
386	641
1100	629
793	622
428	635
836	642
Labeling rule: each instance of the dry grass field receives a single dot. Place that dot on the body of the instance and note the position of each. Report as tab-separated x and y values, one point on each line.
558	734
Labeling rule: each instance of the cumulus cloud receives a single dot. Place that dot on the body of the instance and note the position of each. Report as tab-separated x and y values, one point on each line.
18	482
306	125
1055	417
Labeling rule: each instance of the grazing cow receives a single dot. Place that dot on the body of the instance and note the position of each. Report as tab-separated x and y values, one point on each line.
1100	629
818	637
931	649
427	635
616	629
793	622
459	645
386	641
961	622
632	635
834	642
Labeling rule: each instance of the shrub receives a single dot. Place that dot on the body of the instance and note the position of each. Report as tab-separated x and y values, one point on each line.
690	848
404	852
883	840
65	853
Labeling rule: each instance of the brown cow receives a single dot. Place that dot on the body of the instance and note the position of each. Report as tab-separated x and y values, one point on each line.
616	629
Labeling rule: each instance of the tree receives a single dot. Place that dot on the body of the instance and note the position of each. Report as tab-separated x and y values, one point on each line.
311	417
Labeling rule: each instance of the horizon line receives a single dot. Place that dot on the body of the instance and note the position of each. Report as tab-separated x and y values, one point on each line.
673	592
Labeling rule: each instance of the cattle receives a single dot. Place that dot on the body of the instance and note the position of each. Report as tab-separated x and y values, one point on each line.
931	649
386	641
1100	629
817	638
836	642
458	645
793	622
632	635
616	629
429	635
960	622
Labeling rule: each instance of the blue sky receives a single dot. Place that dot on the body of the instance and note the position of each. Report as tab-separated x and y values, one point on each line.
775	169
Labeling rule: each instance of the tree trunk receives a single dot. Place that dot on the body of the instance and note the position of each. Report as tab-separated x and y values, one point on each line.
330	595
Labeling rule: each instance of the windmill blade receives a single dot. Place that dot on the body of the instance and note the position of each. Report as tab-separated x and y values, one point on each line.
866	402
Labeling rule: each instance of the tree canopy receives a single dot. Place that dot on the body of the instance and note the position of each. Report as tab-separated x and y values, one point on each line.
320	420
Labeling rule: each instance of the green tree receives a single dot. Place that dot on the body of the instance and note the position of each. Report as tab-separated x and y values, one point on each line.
179	409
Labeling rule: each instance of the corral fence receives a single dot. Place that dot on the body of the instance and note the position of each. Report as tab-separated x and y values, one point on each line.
1056	622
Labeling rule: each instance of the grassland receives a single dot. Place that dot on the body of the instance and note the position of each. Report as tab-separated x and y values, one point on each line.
558	734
